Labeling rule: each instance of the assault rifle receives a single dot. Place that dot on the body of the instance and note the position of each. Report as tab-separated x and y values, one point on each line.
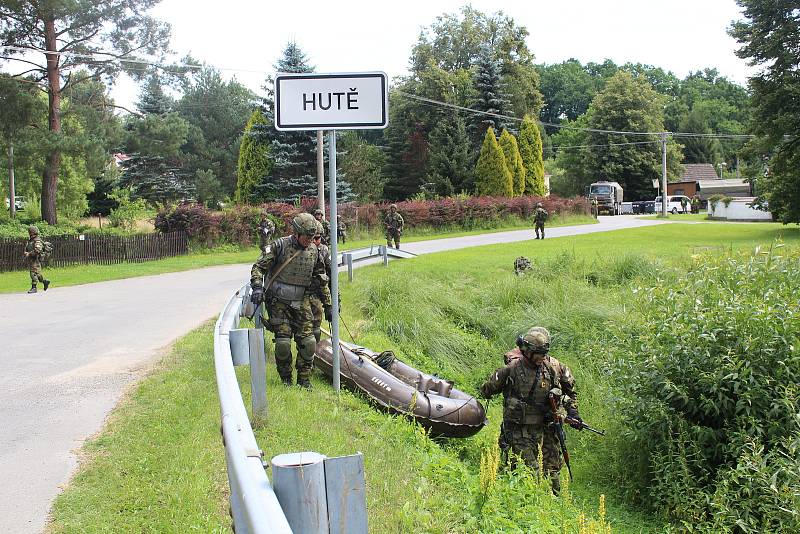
558	427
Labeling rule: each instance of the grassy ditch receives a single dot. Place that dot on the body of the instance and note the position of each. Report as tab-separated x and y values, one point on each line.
158	466
19	281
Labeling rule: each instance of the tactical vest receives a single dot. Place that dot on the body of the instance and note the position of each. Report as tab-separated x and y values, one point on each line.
526	393
292	281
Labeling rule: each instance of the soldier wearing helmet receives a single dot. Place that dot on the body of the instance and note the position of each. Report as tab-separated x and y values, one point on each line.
539	217
319	215
266	228
526	382
34	253
284	277
394	226
317	307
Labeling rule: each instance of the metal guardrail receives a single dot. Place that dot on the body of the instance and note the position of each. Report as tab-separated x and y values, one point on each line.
254	505
348	257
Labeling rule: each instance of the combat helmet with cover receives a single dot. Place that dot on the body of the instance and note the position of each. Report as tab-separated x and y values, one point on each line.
33	229
304	224
536	340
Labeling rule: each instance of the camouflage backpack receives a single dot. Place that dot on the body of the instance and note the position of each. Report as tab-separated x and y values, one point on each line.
521	265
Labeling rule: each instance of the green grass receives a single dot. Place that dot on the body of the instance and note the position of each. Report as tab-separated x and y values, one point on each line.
19	281
159	467
686	217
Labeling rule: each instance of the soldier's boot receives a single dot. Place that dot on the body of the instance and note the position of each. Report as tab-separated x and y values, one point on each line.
555	482
397	244
542	233
283	359
305	360
317	334
32	289
46	284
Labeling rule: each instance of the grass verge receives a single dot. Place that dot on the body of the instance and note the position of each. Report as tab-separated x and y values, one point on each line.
159	467
19	281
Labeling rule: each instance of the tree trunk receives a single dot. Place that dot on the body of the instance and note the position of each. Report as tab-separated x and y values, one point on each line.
53	162
12	194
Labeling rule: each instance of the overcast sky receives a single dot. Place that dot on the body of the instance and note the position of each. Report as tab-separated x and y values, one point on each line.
244	38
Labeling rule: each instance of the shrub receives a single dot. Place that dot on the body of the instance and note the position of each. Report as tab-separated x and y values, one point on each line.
196	220
128	211
709	385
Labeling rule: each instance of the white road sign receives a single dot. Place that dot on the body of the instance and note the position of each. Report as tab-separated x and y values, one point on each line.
345	101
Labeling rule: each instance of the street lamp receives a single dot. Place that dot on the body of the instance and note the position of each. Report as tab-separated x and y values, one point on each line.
721	168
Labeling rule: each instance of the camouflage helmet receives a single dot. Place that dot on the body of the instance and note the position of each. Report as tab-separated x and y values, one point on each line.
536	340
538	204
318	212
393	207
304	224
319	231
33	229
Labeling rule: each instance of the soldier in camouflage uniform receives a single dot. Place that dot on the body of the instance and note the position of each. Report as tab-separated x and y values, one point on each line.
521	265
265	230
326	226
34	249
317	308
394	226
539	217
595	208
292	266
527	380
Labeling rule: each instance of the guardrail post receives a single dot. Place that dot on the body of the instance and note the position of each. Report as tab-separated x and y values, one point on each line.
258	373
345	487
299	480
348	259
383	252
239	339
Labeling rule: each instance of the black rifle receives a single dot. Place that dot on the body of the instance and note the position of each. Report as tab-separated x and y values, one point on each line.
558	428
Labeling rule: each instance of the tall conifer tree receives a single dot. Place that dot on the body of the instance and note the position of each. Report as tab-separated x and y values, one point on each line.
513	161
254	161
449	167
530	148
492	97
492	176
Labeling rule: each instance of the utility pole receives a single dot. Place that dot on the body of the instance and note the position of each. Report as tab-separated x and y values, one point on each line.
12	195
320	173
663	174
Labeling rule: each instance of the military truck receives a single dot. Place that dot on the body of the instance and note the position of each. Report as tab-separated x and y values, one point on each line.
608	195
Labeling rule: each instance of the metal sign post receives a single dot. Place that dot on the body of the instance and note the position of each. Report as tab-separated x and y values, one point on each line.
346	101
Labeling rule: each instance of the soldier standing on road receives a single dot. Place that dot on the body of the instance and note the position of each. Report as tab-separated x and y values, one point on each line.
341	231
317	307
526	382
594	207
293	265
34	251
539	217
684	204
394	226
265	230
326	227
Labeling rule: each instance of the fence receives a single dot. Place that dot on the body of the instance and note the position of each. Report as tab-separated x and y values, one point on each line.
102	250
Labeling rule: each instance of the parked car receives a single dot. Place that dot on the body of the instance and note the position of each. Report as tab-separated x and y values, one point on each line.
674	204
19	203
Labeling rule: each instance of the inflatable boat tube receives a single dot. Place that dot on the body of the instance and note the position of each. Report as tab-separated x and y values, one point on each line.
431	401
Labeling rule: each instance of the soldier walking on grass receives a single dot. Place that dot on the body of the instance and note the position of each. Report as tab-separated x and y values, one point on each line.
539	217
527	382
34	254
394	226
265	230
595	209
317	307
294	268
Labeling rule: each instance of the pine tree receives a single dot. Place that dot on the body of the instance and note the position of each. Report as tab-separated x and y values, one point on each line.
449	167
513	161
530	148
254	161
492	176
492	97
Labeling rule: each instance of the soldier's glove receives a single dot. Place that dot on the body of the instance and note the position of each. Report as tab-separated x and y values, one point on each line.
257	295
328	312
577	422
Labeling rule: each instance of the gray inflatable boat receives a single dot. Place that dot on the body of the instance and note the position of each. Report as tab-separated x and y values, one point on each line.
431	401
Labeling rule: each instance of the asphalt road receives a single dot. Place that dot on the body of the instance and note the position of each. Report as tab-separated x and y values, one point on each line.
69	354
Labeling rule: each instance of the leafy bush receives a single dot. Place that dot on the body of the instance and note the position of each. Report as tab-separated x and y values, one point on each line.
709	385
196	220
128	211
18	229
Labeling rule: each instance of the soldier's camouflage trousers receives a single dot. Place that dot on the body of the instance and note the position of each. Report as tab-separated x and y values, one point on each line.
35	268
393	235
524	441
289	321
539	228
